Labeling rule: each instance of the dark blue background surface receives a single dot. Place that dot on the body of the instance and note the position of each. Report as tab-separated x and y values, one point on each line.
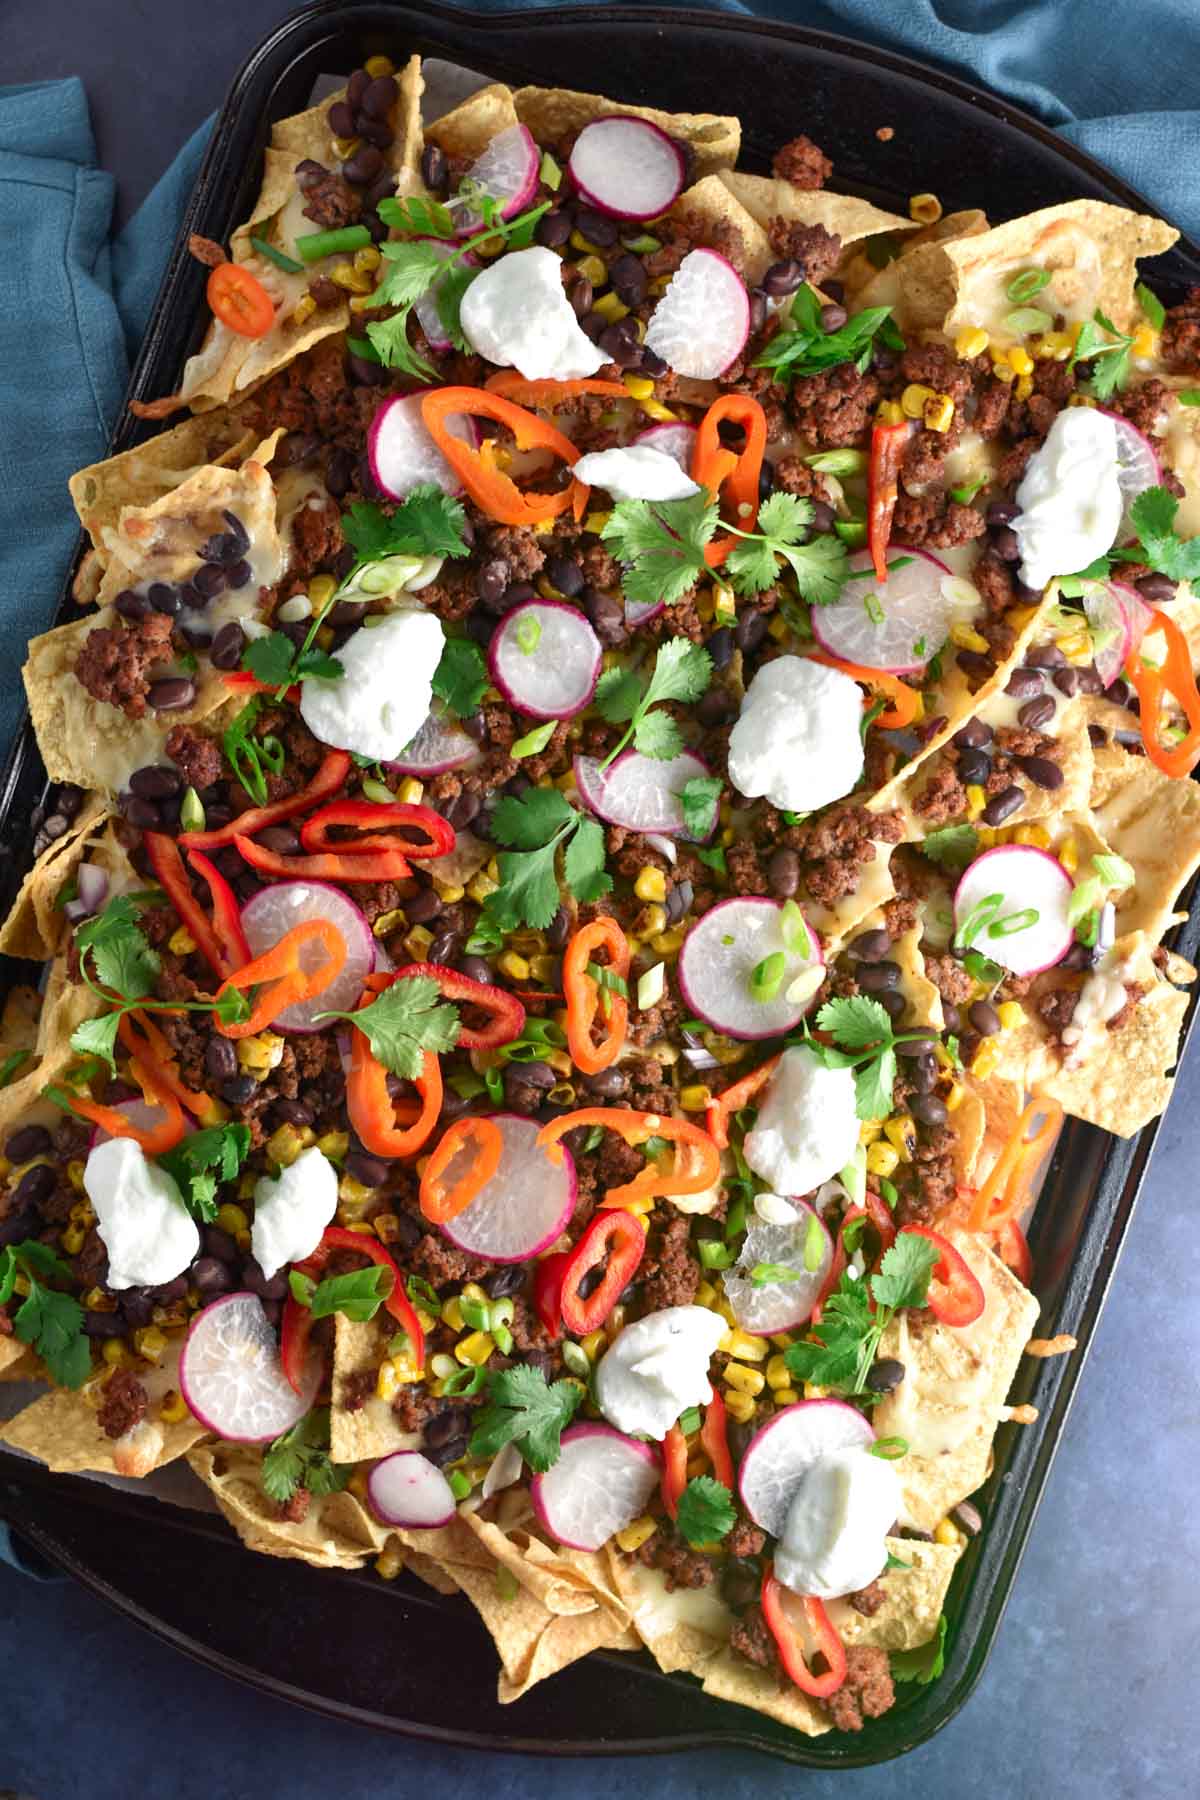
1090	1690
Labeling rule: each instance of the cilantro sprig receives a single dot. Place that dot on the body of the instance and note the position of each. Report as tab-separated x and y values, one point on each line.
701	800
535	826
1107	350
427	522
202	1161
706	1512
300	1459
461	679
1158	545
803	348
951	847
405	1021
839	1357
682	671
50	1321
865	1042
820	567
523	1409
252	758
358	1294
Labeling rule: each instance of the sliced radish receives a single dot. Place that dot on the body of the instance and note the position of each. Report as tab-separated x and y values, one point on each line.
896	625
718	960
780	1305
272	913
439	745
525	1205
1012	905
508	171
640	612
702	322
1111	629
139	1113
1139	613
1138	468
789	1443
602	1482
545	659
676	440
231	1376
404	456
407	1489
642	793
627	167
425	308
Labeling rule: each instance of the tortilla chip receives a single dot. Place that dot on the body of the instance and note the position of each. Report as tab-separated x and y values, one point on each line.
556	114
682	1630
431	1572
371	1429
35	928
915	1598
144	474
833	924
956	1381
709	210
1183	455
730	1677
61	1428
65	1005
17	1361
1075	759
849	218
468	128
1154	823
337	1532
19	1020
567	1582
916	284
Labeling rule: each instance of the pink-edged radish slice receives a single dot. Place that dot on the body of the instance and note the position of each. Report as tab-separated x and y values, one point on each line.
627	167
720	955
1011	905
1139	613
272	913
1138	468
439	745
601	1482
1111	630
545	659
642	793
406	1489
403	455
231	1376
525	1205
640	612
895	626
678	441
507	170
781	1305
702	322
141	1114
778	1455
425	308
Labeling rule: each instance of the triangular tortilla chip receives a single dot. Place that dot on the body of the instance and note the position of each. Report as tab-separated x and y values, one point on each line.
730	1677
834	923
915	1598
142	475
708	209
62	1431
371	1429
1154	823
554	114
565	1581
682	1630
918	284
36	928
65	1005
337	1532
468	128
849	218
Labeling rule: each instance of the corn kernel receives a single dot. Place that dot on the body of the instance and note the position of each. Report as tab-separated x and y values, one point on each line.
334	1144
354	281
579	242
377	66
321	589
150	1343
882	1159
939	412
967	638
352	1193
667	943
632	1537
901	1132
1076	646
115	1351
814	1391
869	1130
417	942
284	1146
651	884
71	1240
475	1348
912	400
1011	1014
986	1058
1145	341
172	1408
972	341
181	942
889	412
1078	399
390	1562
1055	346
452	1313
744	1380
779	627
258	1055
739	1406
367	258
1020	359
1002	369
596	521
1068	855
976	800
954	1096
594	1344
593	269
926	209
513	965
387	1382
1024	387
232	1219
411	791
304	309
654	409
778	1373
946	1533
1035	836
706	1293
480	886
695	1097
749	1347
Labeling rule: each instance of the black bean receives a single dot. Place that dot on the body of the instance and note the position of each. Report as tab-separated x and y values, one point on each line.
481	627
55	826
347	613
892	1003
220	1058
211	1276
445	947
464	808
750	631
1067	681
869	946
103	1324
974	766
1036	713
1118	691
951	1017
227	546
628	279
380	97
607	616
716	707
783	873
873	977
1002	512
28	1142
679	900
1046	656
564	573
559	929
132	606
423	906
363	166
593	324
885	1374
1097	736
236	530
164	598
1006	544
1042	772
620	346
968	1045
596	227
929	1109
581	296
740	1583
1089	681
719	645
553	229
443	1426
341	119
220	1244
509	1279
974	735
833	318
253	1278
822	517
1024	682
154	783
609	1084
491	582
435	172
453	1105
968	1516
285	1111
209	581
238	1090
367	374
308	173
1003	805
339	473
238	575
172	695
522	1080
451	1451
372	1171
783	278
975	664
653	364
1157	587
923	1074
142	813
37	1184
475	968
984	1017
918	1043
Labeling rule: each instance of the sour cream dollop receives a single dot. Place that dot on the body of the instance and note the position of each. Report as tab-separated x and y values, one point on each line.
638	472
140	1216
384	694
516	314
657	1368
797	740
807	1125
1070	497
290	1214
833	1541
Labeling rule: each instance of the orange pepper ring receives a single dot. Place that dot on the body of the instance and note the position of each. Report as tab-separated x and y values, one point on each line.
440	1203
635	1128
496	493
905	700
285	981
583	995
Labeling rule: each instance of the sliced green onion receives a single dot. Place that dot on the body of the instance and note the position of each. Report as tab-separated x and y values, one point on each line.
594	1139
838	462
534	741
550	173
888	1190
11	1064
607	978
853	532
316	244
364	349
191	811
575	1358
854	1176
735	1218
897	562
689	1421
460	1487
1114	871
644	244
475	1313
762	1273
891	1449
1027	319
466	1381
977	918
651	986
507	1585
767	977
1014	922
793	929
378	791
422	1293
529	633
814	1244
873	609
715	1255
1024	286
288	264
967	492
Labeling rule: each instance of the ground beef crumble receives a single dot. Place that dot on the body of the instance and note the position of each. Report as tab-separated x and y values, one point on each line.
123	1404
115	663
803	163
866	1693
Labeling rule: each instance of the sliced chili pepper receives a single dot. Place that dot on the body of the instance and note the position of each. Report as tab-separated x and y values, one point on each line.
635	1128
490	488
339	1237
240	301
241	681
294	1333
724	1105
379	865
383	827
674	1470
1013	1248
328	779
791	1652
955	1296
1175	677
905	700
621	1238
586	998
507	1019
714	1440
143	1040
154	1140
227	916
547	1290
387	1127
1006	1191
512	386
732	475
876	1210
167	864
479	1137
282	978
883	489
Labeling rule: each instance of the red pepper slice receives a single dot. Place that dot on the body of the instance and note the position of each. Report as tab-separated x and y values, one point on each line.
674	1470
281	978
507	1019
380	865
955	1296
621	1238
294	1333
375	1116
227	916
437	837
1013	1248
697	1160
883	489
584	1001
489	487
143	1040
167	864
155	1140
724	1105
547	1290
548	393
240	300
328	779
714	1440
791	1653
1175	677
241	681
734	475
905	700
876	1209
441	1201
338	1237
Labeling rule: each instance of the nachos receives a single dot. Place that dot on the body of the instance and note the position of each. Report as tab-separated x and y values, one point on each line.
625	766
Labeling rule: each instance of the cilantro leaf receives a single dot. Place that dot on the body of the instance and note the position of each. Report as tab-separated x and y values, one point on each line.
535	824
98	1037
661	543
583	862
529	821
300	1458
528	892
1151	305
522	1409
358	1294
317	662
842	1355
856	1022
200	1161
269	659
785	517
461	677
952	847
802	348
50	1322
751	566
682	671
617	695
1109	355
448	298
925	1663
874	1084
120	955
405	1021
903	1277
410	271
820	569
701	798
1153	514
706	1511
656	734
